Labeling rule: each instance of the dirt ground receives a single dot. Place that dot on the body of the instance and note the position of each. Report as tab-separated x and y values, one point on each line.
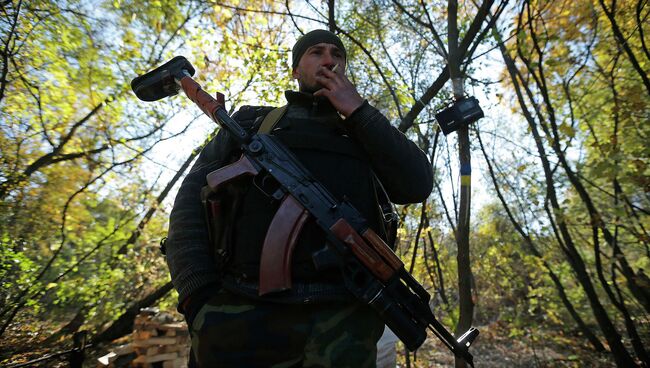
493	348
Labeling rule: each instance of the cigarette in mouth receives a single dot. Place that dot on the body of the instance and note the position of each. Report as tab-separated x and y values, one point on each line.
335	67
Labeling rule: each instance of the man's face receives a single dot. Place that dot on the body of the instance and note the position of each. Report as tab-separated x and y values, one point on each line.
312	63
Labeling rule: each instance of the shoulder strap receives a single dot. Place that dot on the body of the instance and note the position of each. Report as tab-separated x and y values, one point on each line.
388	212
271	120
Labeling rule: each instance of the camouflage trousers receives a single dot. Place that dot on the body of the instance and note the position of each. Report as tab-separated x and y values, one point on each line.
233	331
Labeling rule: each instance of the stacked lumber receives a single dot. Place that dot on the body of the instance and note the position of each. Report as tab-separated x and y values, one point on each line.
159	341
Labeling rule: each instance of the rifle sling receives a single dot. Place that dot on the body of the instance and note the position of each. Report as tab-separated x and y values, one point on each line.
271	120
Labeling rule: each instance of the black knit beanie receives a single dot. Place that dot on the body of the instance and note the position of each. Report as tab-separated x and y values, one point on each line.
313	38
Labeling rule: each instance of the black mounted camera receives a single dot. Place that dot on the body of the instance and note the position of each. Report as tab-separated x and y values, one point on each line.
458	114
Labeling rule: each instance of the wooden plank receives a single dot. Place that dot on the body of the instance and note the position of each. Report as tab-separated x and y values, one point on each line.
173	326
155	358
155	341
107	359
176	363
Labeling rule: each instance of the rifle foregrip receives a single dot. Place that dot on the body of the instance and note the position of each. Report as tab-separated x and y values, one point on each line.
364	252
378	244
280	240
226	174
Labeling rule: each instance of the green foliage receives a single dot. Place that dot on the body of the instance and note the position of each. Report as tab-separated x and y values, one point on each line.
81	161
75	164
16	270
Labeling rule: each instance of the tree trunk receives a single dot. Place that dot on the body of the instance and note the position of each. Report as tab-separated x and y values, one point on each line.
124	324
462	230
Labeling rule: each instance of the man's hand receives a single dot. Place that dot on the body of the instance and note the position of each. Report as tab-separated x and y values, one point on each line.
339	91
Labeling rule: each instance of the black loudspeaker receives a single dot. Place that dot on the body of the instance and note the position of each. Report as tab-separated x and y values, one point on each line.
458	114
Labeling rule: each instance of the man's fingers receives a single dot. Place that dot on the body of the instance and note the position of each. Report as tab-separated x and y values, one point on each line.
325	81
332	74
329	72
339	80
321	92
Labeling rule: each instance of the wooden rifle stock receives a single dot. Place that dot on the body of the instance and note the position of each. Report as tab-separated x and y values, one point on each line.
195	93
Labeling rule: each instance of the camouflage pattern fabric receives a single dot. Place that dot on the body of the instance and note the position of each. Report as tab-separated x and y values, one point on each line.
233	331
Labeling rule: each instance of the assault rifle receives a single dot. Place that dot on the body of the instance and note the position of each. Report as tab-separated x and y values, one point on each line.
371	271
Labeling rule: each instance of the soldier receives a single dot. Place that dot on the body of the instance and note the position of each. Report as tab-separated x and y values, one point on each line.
350	147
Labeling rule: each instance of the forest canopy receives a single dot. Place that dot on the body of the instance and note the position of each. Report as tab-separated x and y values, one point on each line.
551	254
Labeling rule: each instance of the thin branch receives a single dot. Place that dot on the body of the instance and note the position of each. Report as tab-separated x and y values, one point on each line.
6	53
622	41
